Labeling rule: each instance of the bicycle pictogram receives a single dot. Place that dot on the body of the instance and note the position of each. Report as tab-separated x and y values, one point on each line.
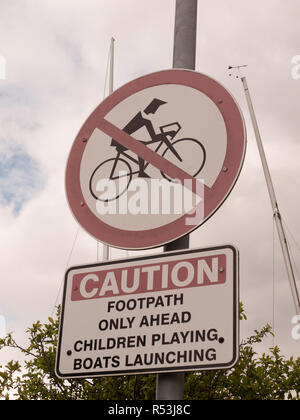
186	153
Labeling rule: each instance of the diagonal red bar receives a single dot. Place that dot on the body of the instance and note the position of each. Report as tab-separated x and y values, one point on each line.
147	154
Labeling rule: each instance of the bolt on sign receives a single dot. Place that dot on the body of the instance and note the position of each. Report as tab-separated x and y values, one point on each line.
155	159
151	314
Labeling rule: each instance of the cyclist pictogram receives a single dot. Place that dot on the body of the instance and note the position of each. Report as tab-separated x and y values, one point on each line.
121	166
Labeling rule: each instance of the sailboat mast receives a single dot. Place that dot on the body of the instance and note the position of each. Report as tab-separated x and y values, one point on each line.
106	250
276	212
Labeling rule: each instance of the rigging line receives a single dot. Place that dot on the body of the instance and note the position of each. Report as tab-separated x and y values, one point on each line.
78	227
295	266
297	245
67	265
106	71
273	291
290	233
104	95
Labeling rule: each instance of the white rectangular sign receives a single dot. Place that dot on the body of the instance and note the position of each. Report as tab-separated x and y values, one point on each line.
175	311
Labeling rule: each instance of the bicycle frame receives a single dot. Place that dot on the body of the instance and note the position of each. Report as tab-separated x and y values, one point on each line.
164	135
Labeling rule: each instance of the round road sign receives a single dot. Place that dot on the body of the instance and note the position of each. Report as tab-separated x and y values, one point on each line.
155	159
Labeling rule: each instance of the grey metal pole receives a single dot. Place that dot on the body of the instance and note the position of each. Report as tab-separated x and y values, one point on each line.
170	386
276	213
185	34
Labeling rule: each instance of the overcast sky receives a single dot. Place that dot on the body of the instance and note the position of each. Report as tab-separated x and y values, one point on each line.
56	56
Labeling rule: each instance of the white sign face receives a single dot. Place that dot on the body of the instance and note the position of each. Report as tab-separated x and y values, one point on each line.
176	311
199	158
156	159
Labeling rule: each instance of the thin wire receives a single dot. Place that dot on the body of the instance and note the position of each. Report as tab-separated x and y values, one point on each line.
67	265
297	245
106	72
290	233
295	266
104	95
273	291
78	227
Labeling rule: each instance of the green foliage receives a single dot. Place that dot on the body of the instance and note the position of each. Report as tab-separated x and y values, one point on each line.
269	377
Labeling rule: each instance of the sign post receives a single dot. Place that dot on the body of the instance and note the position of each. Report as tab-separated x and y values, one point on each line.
171	386
152	163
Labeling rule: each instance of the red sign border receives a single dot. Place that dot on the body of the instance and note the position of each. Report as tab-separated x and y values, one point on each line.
214	197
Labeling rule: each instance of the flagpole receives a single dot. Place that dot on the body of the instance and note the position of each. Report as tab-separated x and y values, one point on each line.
106	249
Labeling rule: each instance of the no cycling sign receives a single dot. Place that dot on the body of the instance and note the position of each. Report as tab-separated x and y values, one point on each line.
155	159
151	315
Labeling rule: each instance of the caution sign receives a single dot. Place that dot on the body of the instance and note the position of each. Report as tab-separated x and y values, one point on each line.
172	312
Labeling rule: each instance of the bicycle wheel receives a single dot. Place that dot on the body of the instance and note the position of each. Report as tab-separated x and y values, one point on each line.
192	153
112	175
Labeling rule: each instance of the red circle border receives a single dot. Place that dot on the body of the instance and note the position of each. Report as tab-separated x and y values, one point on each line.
214	197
